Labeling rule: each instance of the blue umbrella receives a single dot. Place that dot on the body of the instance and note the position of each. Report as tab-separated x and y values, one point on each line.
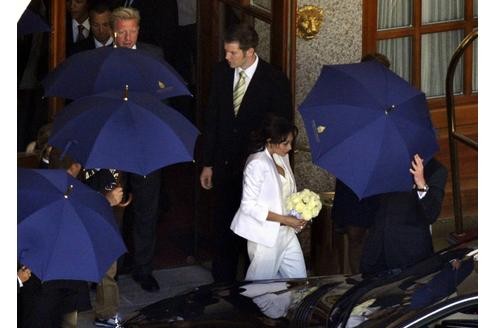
30	22
107	68
65	230
137	135
364	125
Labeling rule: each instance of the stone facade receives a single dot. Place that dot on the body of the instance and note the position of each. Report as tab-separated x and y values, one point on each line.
338	42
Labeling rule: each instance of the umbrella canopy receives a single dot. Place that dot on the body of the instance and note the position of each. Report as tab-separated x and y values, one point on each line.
65	230
107	68
364	125
137	135
30	22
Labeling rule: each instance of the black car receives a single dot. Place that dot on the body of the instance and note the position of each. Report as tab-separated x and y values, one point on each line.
441	291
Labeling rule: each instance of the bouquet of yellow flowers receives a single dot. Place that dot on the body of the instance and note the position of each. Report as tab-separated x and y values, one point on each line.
304	204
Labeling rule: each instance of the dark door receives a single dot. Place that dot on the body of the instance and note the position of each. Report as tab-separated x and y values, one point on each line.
271	19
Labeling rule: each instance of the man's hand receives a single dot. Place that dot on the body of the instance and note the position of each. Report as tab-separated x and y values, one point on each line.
24	274
206	177
115	196
417	171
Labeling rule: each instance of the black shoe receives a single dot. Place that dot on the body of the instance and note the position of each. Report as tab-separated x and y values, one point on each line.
147	282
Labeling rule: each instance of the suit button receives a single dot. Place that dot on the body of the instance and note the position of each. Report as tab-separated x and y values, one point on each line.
226	162
234	130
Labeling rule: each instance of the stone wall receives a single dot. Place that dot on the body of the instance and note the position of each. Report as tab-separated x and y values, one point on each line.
338	42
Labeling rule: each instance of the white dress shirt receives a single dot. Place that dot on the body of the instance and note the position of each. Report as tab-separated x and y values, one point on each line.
75	30
249	73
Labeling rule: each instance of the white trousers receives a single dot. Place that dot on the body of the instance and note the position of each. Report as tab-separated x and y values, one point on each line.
284	260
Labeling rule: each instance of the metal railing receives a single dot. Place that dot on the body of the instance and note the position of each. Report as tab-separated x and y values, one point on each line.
454	135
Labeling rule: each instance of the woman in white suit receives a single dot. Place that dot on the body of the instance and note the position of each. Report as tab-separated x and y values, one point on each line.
273	247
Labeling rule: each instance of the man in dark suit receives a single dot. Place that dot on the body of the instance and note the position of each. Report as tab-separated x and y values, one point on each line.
145	189
401	235
228	125
101	31
77	23
158	25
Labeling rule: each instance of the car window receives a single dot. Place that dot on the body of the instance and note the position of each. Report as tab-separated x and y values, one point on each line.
413	292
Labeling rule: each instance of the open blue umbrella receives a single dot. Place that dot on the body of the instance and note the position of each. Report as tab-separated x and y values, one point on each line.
30	22
107	68
364	125
134	133
65	230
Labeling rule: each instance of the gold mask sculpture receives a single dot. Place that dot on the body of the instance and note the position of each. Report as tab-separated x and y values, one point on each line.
309	19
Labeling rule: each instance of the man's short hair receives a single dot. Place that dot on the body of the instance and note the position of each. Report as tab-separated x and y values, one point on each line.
99	8
381	58
124	13
244	34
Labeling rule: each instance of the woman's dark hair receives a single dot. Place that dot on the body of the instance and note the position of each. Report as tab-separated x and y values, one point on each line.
275	128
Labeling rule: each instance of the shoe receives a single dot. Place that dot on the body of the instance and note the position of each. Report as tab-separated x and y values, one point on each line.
112	322
147	282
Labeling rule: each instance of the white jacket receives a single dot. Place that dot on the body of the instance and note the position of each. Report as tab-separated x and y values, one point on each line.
261	192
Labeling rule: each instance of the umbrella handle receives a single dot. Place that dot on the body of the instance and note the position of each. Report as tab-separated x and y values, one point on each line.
124	202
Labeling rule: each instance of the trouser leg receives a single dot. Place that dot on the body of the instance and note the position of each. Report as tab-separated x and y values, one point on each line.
146	192
263	261
107	295
227	245
292	259
356	237
69	320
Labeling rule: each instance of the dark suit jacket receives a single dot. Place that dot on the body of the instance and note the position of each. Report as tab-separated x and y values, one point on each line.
151	49
158	25
401	234
86	44
349	210
227	136
70	45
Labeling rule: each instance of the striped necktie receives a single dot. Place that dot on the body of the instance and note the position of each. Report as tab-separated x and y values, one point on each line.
239	90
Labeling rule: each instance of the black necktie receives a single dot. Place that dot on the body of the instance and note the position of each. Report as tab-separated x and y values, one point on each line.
80	34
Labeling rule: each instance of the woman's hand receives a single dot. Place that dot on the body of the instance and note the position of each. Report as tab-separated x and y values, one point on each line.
297	224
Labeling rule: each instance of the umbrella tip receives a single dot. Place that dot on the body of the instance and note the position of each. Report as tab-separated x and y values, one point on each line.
126	92
69	190
161	85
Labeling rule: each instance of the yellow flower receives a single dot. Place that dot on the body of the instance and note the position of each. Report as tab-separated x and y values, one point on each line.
307	215
306	203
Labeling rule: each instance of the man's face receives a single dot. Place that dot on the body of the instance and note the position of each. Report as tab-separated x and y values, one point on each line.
235	56
127	32
78	9
100	26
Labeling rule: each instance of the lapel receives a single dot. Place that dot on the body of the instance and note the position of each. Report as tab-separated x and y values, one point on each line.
275	172
289	172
